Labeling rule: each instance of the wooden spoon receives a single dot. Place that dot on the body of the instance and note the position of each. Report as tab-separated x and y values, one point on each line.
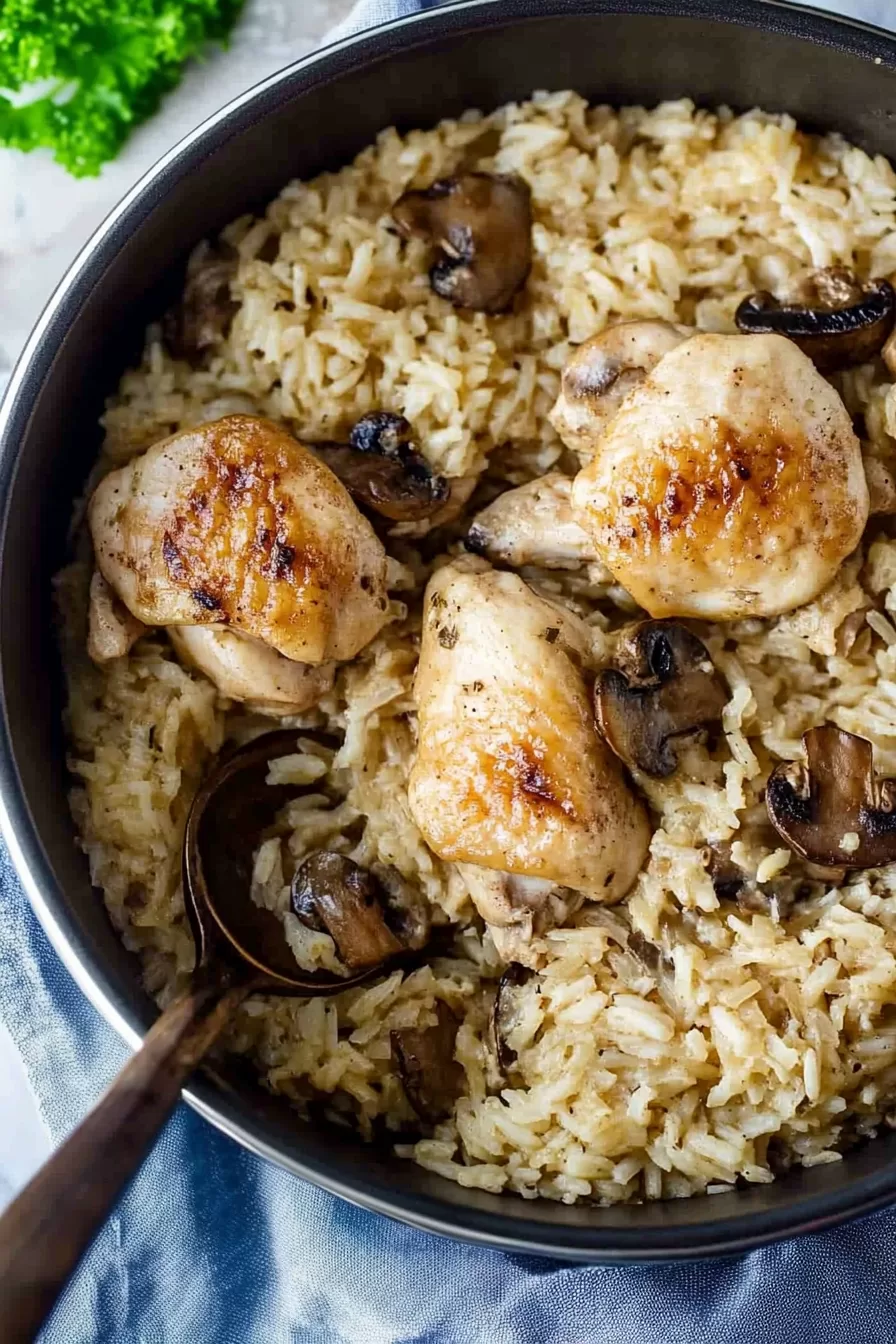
240	950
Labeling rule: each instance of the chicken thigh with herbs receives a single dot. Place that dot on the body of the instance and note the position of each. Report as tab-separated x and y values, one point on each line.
234	525
510	775
728	484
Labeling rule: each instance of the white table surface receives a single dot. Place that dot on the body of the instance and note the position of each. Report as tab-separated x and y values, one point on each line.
46	216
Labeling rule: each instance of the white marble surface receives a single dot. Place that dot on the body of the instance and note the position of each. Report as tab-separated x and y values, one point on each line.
46	216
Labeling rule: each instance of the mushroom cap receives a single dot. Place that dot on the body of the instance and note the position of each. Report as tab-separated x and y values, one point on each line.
424	1057
729	484
506	1012
202	316
834	318
666	688
815	806
482	223
382	470
330	891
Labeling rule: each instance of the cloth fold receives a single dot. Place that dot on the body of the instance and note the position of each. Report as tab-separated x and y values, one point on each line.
212	1244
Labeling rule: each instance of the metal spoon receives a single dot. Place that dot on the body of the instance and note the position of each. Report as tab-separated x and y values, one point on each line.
240	950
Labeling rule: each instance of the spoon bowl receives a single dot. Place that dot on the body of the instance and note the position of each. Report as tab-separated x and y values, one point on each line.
241	949
227	822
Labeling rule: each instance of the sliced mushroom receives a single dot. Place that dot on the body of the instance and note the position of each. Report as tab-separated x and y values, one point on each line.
330	892
424	1056
111	629
732	883
728	878
666	688
382	470
506	1012
482	223
658	966
833	317
460	488
202	317
651	957
832	810
601	373
407	911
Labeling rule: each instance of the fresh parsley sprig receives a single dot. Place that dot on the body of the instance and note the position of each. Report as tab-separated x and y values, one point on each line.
89	71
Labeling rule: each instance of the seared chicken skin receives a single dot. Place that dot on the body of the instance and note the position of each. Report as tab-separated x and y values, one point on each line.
533	525
242	669
510	773
601	373
728	484
235	523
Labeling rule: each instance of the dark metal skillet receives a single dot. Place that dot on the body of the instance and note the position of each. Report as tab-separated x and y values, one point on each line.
240	950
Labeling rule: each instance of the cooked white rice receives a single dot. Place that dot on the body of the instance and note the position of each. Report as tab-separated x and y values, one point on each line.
758	1042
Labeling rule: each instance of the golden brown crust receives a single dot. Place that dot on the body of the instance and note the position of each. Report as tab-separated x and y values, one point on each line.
729	484
236	523
510	772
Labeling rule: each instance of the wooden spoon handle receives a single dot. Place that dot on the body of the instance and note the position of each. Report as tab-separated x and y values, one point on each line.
48	1227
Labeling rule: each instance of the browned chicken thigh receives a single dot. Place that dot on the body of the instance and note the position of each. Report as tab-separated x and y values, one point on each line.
236	524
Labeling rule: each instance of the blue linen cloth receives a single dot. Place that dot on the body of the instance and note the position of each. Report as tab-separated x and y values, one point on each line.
213	1244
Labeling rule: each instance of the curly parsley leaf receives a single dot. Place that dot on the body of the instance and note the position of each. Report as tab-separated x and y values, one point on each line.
89	71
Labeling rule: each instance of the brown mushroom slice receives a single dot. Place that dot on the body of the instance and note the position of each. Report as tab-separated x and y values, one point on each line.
728	878
482	223
401	491
459	490
832	810
667	688
202	317
834	318
731	883
407	911
424	1057
505	1016
330	892
382	470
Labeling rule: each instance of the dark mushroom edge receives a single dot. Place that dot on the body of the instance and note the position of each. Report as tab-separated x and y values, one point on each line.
836	319
482	224
424	1058
832	798
201	319
732	883
666	688
383	471
372	915
505	1012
